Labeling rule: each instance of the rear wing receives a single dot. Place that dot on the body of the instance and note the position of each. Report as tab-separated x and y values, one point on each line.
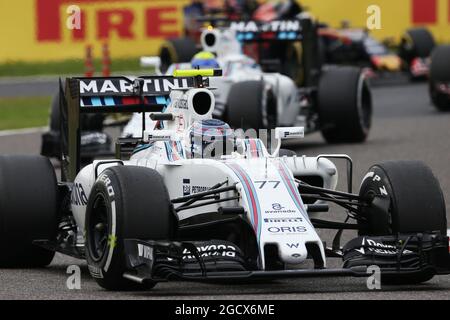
277	30
115	95
122	94
303	30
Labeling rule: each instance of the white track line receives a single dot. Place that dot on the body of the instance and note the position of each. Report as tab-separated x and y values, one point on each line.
16	132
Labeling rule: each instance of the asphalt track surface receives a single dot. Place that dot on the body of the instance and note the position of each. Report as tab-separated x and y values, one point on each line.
28	87
405	126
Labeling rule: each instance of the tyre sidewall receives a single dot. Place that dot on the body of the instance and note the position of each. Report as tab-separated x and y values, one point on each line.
416	200
133	212
112	263
376	182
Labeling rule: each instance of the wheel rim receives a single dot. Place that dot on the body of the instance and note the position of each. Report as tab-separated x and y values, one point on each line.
98	228
369	194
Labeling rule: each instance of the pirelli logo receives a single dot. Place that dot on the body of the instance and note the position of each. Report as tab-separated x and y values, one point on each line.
155	20
426	11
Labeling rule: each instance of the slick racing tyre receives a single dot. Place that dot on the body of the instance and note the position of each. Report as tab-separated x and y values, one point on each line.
415	205
251	105
344	105
176	51
28	210
126	202
440	76
416	43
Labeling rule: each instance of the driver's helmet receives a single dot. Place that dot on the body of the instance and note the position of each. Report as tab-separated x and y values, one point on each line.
210	138
204	60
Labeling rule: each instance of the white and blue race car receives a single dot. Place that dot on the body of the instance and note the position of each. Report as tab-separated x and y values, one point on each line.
335	100
192	200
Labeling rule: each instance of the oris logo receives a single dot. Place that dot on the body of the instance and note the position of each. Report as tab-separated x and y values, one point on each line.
287	230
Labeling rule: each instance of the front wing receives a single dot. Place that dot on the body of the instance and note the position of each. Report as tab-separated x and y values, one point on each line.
218	260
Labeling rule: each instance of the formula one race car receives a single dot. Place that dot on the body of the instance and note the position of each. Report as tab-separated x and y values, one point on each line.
248	97
200	14
197	202
343	46
353	46
335	100
439	81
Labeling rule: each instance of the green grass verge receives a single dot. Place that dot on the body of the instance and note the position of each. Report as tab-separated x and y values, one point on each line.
17	69
17	113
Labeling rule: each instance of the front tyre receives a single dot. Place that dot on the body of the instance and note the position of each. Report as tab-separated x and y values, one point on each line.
416	43
416	205
126	202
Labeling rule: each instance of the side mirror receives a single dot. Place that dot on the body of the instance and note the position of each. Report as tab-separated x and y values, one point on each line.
284	133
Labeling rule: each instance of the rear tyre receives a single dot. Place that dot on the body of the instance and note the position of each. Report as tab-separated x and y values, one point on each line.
416	43
176	51
28	210
344	105
416	205
121	207
440	75
251	106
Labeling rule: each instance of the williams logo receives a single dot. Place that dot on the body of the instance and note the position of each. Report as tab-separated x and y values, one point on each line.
278	208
